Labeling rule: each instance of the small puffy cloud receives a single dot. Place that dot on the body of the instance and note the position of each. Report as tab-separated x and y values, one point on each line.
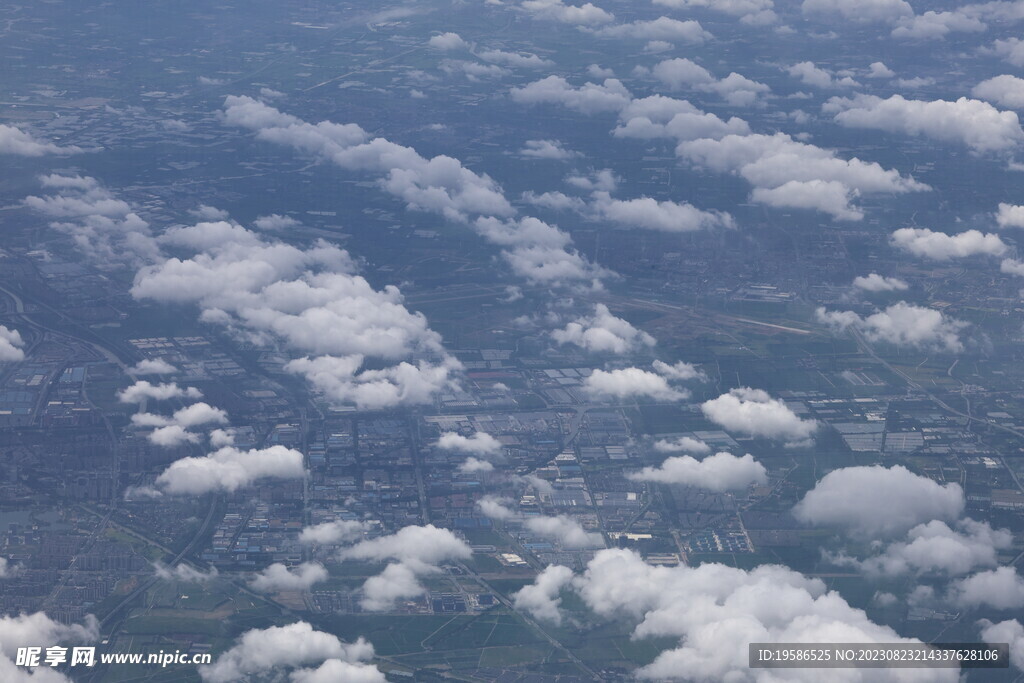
876	501
754	412
448	41
1010	631
278	577
935	548
152	366
515	59
901	324
172	436
143	391
811	74
827	196
540	598
718	472
207	213
630	383
879	283
480	443
495	508
590	98
973	123
939	246
1004	90
333	670
475	465
229	469
933	25
1012	267
685	444
555	201
586	14
13	140
274	222
1011	50
416	550
546	149
679	371
880	70
751	12
565	530
333	533
26	630
857	11
263	651
341	381
664	216
603	333
662	28
11	345
184	572
1001	588
1010	216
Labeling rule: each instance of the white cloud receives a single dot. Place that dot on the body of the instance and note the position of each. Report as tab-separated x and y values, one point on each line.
556	201
880	70
334	533
754	412
515	59
1009	631
1012	267
229	469
752	12
686	444
185	572
11	345
1001	588
662	28
546	149
630	383
440	185
586	14
877	501
333	670
401	384
715	611
811	74
540	598
13	140
590	98
474	465
448	41
603	333
1011	50
1010	216
973	123
37	629
565	530
901	324
1004	90
679	371
143	391
480	443
936	25
274	222
417	550
495	508
104	228
718	472
828	196
278	577
939	246
664	216
152	366
879	283
858	11
735	89
934	548
262	651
